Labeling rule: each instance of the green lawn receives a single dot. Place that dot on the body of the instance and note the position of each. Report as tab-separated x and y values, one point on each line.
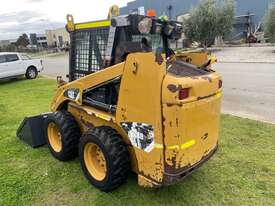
241	173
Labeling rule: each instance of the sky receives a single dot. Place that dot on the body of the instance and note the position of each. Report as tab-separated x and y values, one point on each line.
35	16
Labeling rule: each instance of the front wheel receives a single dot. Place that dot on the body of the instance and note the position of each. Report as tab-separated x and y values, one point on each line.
63	135
104	158
31	73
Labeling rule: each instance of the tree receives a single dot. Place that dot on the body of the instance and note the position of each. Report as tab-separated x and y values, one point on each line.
23	41
225	18
210	19
270	23
9	48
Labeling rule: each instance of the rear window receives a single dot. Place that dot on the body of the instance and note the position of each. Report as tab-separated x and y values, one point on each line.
25	57
2	59
155	39
88	51
12	57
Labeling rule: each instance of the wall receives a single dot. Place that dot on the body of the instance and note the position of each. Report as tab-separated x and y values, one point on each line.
53	37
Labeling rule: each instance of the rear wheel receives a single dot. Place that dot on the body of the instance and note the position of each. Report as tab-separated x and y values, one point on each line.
95	161
62	135
31	73
104	158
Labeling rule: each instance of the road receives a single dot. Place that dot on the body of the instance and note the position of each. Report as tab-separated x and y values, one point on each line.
249	88
56	66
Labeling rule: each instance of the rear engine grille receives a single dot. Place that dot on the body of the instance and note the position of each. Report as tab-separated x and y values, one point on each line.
183	69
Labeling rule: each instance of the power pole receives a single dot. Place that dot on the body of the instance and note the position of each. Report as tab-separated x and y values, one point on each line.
170	8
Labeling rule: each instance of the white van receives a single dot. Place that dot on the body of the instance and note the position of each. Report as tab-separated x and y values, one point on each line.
15	64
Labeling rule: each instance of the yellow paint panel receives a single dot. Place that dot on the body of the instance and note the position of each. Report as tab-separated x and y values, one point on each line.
188	144
87	118
199	120
183	146
85	83
199	87
139	101
96	24
102	116
193	57
219	95
158	146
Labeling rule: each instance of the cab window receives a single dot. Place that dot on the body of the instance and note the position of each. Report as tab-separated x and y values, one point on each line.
155	40
2	59
25	57
103	97
12	57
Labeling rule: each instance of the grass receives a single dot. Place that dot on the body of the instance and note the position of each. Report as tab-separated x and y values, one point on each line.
241	173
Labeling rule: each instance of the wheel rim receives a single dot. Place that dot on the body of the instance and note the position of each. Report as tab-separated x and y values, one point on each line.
32	73
54	137
95	161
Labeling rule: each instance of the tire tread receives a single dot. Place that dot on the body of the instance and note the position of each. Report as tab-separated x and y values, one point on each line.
70	135
117	151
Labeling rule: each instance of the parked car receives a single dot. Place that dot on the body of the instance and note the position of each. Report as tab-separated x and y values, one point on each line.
17	64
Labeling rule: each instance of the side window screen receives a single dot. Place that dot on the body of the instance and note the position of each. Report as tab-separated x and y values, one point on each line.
104	97
2	59
99	95
89	48
12	57
82	43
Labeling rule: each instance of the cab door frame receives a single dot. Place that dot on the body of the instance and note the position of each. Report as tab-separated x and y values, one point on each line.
15	66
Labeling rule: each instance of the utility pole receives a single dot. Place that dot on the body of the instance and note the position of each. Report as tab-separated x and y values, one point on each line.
170	8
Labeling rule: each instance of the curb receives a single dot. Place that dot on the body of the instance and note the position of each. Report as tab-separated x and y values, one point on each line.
243	62
247	117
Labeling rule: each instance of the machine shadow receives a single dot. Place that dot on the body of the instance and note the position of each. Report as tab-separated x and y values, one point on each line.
131	191
10	81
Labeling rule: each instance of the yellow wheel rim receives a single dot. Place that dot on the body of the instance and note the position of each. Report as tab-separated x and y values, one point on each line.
95	161
54	137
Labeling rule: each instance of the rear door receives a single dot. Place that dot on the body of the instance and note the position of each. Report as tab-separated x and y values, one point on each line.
15	65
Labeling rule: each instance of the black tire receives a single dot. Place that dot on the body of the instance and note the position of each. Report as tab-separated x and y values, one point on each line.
31	73
116	155
70	135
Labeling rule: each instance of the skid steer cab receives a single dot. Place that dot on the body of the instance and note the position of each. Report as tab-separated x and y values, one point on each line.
132	104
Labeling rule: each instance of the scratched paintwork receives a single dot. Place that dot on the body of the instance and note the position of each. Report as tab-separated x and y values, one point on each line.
140	134
196	121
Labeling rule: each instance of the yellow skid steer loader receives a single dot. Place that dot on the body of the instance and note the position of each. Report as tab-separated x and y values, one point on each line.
131	103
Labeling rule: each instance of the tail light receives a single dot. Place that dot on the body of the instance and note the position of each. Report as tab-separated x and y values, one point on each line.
183	93
220	84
